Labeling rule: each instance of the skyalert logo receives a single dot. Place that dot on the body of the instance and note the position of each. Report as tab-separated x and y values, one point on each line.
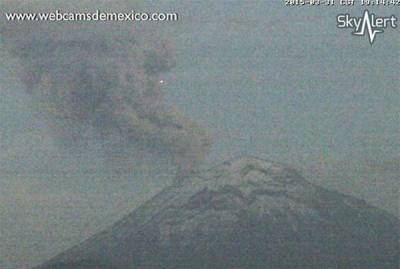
368	24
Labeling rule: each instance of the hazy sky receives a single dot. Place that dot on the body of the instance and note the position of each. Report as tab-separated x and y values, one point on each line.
281	83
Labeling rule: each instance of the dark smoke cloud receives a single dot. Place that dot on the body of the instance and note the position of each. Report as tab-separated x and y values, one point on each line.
103	77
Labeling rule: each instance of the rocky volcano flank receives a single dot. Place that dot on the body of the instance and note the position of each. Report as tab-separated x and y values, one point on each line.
245	213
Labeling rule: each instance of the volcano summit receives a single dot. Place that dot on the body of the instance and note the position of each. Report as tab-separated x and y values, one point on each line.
244	213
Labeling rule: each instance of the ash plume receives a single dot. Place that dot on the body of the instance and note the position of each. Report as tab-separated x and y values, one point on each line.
102	76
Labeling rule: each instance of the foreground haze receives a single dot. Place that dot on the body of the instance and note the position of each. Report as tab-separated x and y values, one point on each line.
280	83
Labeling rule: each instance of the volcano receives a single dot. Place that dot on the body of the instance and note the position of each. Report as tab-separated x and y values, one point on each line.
244	213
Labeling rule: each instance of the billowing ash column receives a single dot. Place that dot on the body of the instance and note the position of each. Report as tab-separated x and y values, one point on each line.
103	75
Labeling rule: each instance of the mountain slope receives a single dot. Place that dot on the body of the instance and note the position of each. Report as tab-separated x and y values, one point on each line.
245	213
